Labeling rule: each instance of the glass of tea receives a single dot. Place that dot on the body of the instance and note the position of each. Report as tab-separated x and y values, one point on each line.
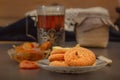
50	24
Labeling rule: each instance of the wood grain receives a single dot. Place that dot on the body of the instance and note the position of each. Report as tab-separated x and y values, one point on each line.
12	10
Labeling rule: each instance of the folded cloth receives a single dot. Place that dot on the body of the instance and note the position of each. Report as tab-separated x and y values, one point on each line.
115	35
17	31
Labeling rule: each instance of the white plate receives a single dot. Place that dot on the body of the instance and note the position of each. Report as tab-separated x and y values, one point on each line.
82	69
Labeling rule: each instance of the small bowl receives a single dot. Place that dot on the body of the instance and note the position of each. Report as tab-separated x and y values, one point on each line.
28	56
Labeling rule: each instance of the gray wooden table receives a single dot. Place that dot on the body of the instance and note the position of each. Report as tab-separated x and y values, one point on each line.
9	69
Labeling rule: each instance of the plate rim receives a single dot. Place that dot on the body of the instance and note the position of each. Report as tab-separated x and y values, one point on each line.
70	67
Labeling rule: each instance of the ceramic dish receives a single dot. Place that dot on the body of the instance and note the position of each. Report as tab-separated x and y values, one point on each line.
45	65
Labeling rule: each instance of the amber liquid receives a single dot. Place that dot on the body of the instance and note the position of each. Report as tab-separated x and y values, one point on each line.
51	27
51	22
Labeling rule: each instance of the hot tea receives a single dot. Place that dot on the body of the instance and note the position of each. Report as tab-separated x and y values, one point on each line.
48	22
50	25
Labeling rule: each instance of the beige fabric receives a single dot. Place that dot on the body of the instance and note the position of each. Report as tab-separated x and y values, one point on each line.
92	27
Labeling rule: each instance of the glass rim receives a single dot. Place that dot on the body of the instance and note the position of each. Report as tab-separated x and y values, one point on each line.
51	6
51	10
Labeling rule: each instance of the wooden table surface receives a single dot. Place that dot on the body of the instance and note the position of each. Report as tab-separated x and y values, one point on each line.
9	69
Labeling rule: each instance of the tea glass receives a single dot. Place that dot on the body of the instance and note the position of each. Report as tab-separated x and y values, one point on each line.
50	24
